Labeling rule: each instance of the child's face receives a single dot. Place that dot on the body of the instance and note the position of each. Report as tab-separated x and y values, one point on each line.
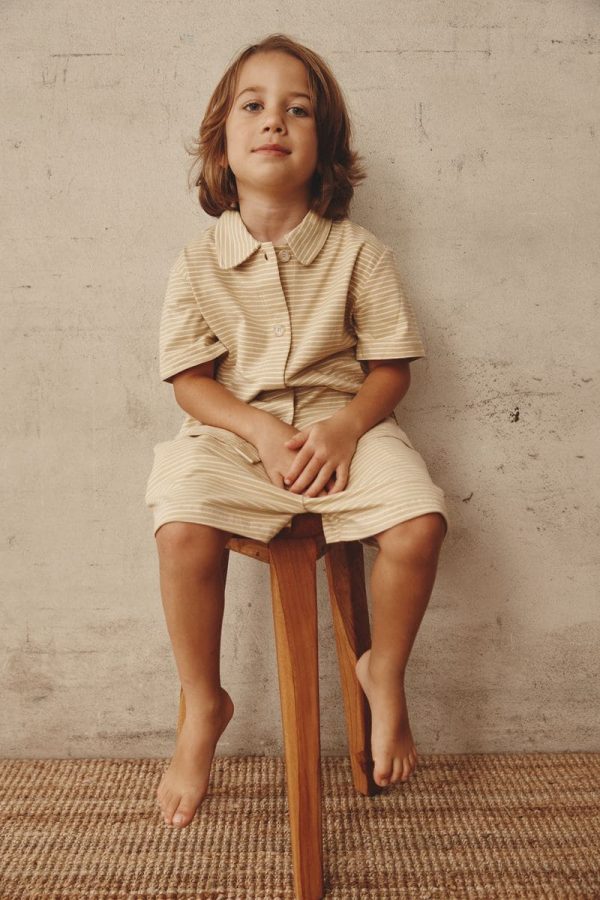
273	112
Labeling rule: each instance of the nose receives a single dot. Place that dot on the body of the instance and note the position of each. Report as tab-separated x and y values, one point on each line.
273	120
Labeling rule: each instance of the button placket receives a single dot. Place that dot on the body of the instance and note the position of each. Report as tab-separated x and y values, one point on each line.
280	324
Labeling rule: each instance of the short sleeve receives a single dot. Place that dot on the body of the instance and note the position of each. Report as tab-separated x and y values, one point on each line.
383	318
185	338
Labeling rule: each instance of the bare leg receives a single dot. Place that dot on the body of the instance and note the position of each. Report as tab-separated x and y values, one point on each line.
401	583
193	592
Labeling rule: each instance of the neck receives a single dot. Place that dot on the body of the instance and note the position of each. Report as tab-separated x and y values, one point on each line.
269	218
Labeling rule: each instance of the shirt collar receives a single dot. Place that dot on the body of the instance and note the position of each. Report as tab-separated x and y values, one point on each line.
235	244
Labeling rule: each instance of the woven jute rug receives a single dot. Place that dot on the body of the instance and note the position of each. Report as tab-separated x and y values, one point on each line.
477	825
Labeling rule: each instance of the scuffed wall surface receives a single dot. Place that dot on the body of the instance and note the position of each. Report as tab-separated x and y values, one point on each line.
480	126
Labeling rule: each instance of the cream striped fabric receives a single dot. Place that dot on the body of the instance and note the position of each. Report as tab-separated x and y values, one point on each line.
289	327
286	324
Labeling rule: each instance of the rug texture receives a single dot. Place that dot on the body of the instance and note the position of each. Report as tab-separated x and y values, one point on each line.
463	826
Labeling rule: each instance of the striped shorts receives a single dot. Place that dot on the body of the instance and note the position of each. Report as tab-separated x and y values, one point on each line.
214	477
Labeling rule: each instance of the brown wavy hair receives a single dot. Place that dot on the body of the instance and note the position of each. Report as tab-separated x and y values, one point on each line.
339	168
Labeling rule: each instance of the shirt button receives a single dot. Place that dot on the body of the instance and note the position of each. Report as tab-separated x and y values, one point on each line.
284	255
278	329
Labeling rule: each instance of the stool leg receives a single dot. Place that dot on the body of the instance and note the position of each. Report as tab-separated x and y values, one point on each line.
181	711
294	595
344	563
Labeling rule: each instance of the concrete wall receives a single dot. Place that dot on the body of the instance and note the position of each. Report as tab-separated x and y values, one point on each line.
480	125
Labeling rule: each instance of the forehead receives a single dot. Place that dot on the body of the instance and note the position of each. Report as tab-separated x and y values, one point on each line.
273	68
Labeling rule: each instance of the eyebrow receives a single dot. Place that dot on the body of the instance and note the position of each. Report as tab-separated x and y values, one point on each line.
260	88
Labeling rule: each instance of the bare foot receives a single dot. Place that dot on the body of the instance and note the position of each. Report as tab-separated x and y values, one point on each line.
185	783
392	745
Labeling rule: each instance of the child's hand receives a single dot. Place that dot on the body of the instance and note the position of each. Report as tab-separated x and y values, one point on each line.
275	456
327	450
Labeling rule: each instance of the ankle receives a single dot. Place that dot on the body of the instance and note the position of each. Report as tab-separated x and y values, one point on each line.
382	668
204	701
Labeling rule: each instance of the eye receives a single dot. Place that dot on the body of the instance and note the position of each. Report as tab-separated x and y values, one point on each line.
257	103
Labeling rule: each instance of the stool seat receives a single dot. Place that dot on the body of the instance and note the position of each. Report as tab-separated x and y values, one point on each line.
292	555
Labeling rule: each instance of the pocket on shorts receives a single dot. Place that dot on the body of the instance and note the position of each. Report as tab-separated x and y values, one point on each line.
389	427
238	443
163	471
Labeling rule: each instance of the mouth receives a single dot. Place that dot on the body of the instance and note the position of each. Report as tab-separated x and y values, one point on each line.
274	150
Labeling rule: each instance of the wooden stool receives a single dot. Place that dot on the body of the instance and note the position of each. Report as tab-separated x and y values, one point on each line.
292	555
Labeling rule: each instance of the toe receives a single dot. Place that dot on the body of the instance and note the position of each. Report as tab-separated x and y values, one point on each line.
184	815
406	769
383	772
169	806
397	770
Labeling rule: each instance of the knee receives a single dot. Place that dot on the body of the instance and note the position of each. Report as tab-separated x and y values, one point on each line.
418	539
178	542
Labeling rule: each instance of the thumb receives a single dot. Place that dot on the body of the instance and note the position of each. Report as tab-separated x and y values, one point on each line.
296	438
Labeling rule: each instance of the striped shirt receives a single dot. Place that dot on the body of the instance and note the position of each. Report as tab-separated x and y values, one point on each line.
288	325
